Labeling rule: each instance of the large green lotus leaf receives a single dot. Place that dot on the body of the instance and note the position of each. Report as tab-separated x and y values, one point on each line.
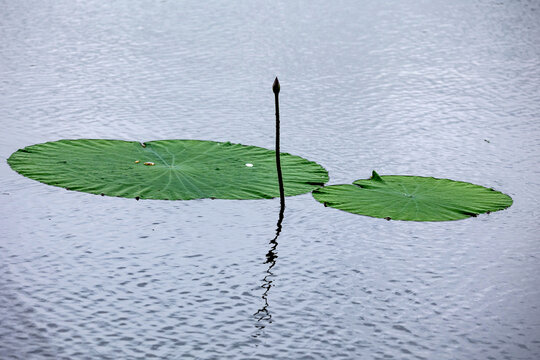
166	169
412	198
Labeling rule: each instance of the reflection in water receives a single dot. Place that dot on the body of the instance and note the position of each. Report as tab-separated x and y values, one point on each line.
263	315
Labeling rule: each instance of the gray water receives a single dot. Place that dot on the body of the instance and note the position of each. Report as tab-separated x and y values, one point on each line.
449	89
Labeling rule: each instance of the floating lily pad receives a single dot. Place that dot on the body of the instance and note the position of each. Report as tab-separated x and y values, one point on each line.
412	198
166	169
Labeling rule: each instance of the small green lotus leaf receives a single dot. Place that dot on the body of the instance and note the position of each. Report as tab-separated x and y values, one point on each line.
166	169
412	198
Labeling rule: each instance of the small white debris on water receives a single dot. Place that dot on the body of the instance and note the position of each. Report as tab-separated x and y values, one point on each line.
249	165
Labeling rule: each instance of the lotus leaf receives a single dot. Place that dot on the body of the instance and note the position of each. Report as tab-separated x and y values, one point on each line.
166	169
412	198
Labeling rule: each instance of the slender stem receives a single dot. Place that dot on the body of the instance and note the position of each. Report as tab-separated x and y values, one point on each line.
264	313
275	89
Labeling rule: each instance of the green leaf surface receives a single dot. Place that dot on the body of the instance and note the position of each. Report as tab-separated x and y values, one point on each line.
181	170
412	198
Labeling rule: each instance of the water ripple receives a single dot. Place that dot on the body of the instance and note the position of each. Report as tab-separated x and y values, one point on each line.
436	89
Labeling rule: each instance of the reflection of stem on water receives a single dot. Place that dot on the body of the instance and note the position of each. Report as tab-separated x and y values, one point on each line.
263	314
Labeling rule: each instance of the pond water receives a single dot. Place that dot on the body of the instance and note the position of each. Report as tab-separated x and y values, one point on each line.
428	88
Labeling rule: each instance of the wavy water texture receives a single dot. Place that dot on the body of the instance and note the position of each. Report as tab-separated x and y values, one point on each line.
445	89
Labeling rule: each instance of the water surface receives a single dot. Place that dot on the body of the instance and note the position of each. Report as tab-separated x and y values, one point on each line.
429	88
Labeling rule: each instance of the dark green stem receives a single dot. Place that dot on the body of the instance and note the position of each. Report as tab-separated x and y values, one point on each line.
275	89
